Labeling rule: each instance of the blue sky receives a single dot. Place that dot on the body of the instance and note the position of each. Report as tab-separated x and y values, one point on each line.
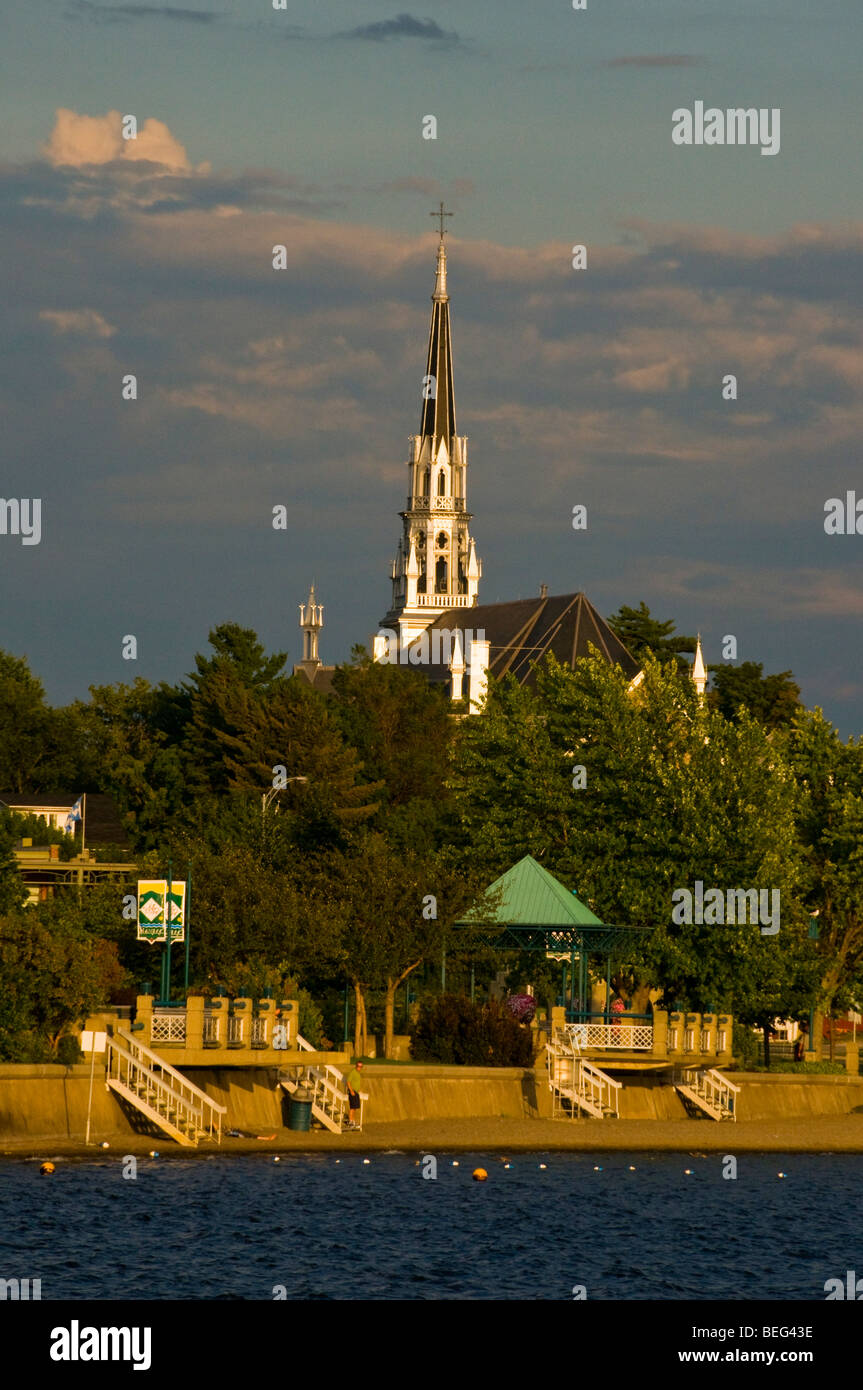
304	127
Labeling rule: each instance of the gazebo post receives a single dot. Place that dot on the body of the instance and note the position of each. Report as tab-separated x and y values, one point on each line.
608	986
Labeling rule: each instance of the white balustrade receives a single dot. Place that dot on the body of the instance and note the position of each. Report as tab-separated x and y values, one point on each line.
168	1027
613	1037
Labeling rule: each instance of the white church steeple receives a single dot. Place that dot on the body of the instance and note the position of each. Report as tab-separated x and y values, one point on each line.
436	566
699	670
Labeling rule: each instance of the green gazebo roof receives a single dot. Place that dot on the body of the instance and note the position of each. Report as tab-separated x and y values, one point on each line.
532	897
536	912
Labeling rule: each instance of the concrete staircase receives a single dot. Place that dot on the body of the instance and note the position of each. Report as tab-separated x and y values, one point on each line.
708	1090
578	1085
329	1092
161	1093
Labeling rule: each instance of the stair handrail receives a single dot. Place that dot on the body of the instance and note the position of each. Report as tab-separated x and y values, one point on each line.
185	1083
722	1088
135	1067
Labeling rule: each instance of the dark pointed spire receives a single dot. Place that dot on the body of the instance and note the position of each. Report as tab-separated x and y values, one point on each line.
438	415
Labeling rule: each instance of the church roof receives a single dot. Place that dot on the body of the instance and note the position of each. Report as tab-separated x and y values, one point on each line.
532	897
524	630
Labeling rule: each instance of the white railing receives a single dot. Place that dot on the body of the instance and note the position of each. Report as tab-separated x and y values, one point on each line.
573	1078
168	1027
629	1037
235	1028
163	1088
444	601
259	1032
595	1086
329	1091
713	1088
212	1022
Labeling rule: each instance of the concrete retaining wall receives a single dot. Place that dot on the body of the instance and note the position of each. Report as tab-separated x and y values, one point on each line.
51	1101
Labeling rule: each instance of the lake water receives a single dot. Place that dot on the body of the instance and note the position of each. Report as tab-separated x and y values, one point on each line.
237	1227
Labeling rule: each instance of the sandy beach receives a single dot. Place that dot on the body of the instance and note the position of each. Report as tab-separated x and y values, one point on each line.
828	1134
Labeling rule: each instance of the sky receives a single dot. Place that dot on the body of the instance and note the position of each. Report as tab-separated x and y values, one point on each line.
259	388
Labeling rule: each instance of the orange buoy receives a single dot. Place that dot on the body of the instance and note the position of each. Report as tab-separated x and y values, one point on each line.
479	1175
46	1168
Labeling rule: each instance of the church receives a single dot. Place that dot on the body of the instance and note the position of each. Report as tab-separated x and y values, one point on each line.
435	620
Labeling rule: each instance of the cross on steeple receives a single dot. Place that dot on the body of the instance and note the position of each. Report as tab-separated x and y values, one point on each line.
441	214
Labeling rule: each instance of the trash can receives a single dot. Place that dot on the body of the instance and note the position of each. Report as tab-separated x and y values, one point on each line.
300	1116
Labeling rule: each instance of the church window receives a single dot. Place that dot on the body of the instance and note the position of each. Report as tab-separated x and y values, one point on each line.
441	576
441	483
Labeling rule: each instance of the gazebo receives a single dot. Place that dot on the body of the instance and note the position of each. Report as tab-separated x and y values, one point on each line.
537	913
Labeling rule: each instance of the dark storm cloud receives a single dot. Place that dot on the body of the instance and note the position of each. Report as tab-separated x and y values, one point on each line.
111	14
404	26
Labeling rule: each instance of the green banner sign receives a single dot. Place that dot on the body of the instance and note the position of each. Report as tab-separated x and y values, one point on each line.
152	893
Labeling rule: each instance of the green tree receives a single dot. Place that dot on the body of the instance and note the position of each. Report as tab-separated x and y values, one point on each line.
644	635
829	775
401	728
772	700
394	909
12	891
51	976
672	794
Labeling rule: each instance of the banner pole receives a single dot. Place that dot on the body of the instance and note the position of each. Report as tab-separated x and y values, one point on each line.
168	951
188	921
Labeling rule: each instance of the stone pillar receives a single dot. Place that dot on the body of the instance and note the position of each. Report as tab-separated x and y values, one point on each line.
558	1019
144	1015
290	1017
675	1035
195	1022
724	1038
660	1033
708	1035
852	1058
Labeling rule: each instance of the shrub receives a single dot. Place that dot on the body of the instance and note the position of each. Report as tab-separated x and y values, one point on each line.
450	1028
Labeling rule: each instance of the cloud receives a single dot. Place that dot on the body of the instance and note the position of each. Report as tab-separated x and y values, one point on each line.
299	387
86	321
657	60
114	14
404	26
78	140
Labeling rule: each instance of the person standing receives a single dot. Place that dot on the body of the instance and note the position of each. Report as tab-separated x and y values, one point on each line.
354	1082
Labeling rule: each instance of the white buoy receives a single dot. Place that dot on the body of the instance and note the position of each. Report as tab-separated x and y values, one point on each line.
507	1165
632	1167
782	1175
154	1153
543	1165
105	1144
688	1172
455	1163
596	1168
276	1158
366	1160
